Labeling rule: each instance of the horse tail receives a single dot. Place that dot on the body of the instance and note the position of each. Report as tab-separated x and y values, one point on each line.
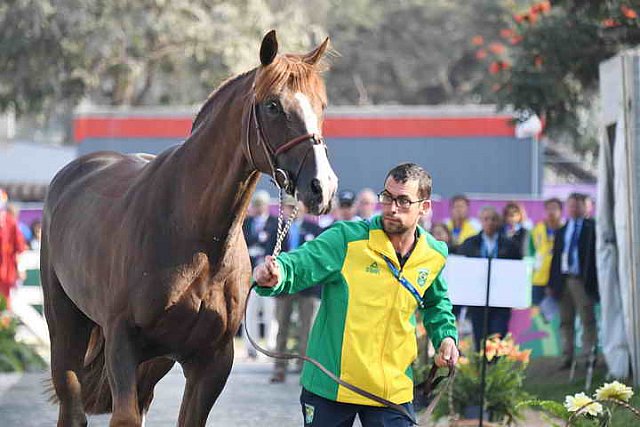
96	392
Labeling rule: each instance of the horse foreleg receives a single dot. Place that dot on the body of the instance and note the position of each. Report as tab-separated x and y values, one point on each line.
206	375
121	360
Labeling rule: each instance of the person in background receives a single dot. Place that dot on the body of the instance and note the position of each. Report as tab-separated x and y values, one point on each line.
260	231
460	225
542	239
11	245
573	279
24	228
36	235
346	210
305	301
441	232
489	243
589	206
366	203
514	226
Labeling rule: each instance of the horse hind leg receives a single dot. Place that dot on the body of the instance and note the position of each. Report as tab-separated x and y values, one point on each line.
206	375
149	374
69	331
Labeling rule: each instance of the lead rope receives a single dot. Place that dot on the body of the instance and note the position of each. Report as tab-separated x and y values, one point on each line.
283	227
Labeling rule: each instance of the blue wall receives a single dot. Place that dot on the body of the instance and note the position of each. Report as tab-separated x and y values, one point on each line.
493	165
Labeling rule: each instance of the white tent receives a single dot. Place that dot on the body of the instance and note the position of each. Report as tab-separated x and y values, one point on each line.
618	229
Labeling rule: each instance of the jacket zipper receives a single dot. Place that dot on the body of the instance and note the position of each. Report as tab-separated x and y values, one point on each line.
385	388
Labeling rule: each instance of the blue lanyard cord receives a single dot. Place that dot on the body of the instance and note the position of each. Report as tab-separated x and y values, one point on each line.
404	282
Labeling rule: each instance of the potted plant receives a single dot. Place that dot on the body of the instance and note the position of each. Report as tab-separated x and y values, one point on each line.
505	374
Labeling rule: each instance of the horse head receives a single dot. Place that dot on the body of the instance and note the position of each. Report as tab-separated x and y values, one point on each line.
287	110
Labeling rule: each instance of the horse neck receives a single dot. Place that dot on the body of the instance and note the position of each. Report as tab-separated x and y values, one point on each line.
216	181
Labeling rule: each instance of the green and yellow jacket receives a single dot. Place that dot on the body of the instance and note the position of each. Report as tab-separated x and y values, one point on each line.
365	328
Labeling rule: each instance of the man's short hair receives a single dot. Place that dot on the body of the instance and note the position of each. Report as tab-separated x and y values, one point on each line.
553	200
458	197
261	197
412	172
578	197
490	209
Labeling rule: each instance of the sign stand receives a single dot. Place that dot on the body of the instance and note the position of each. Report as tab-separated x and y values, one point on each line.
485	328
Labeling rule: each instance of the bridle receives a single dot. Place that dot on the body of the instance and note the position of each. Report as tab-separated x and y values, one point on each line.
281	178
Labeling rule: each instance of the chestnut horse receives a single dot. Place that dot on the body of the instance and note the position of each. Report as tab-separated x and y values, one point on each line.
143	259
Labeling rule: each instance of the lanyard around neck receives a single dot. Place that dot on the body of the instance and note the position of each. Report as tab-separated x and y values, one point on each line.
404	282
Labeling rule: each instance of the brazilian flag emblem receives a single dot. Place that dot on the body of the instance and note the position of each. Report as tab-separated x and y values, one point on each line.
423	275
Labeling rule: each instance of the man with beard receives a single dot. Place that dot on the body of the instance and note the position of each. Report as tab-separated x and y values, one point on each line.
375	275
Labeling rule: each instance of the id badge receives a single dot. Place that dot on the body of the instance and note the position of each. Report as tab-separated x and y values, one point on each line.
564	262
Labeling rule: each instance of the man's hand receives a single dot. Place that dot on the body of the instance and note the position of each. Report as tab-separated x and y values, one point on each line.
447	354
267	274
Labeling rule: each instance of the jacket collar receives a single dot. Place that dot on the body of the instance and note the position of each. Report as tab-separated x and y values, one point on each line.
379	242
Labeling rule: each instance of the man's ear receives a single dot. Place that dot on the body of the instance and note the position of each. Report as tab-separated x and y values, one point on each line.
425	206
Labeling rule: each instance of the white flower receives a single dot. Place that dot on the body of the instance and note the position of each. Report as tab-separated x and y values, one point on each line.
574	403
614	390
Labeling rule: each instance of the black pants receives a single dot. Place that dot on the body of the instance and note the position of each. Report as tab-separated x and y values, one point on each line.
320	412
498	322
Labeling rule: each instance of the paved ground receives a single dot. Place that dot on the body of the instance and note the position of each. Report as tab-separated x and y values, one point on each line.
248	400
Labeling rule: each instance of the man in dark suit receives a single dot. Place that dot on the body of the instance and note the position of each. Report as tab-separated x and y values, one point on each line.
260	232
573	278
306	301
489	243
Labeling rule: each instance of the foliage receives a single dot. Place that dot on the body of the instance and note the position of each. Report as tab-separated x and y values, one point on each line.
14	356
549	54
126	52
505	374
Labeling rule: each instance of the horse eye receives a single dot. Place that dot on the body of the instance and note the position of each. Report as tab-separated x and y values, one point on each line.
273	107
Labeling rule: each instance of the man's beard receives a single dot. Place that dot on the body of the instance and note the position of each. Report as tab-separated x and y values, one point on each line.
393	228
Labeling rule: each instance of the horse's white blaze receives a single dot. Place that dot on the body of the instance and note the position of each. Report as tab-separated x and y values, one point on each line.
308	115
326	175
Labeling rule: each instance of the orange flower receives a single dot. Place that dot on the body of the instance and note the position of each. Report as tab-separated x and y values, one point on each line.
628	12
516	40
608	23
544	6
463	360
538	61
497	48
481	54
5	321
477	40
506	33
518	18
491	347
524	356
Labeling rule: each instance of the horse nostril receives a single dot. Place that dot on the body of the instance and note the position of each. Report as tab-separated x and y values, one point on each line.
316	187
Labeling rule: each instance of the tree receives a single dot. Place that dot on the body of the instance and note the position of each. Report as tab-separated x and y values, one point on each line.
409	52
129	52
552	64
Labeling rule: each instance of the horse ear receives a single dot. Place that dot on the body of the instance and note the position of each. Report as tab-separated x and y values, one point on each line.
269	48
314	56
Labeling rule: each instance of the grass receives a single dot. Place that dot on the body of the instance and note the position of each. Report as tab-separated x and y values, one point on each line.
546	382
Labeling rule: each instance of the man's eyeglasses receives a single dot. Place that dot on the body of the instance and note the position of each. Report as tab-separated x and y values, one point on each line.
403	202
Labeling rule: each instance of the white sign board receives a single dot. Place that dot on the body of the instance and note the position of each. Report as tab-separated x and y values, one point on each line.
510	284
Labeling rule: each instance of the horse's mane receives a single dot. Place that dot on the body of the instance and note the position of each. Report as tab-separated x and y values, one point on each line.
208	104
289	70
